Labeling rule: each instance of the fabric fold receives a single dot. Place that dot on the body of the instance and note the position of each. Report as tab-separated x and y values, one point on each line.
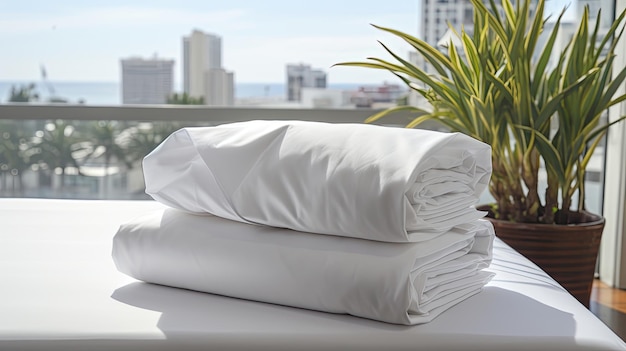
354	180
401	283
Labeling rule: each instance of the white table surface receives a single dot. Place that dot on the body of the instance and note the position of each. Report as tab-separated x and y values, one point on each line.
60	291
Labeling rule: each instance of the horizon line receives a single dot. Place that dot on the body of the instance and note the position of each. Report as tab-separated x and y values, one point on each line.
22	81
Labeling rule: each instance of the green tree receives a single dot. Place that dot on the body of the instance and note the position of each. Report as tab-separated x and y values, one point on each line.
104	135
23	93
140	140
15	155
184	99
59	147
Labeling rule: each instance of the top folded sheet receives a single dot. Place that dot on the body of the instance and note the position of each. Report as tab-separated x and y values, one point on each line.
355	180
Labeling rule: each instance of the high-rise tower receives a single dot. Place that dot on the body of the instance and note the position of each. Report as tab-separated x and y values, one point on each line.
203	74
302	76
146	81
436	14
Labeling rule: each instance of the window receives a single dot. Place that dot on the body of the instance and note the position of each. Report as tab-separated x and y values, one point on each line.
95	53
228	55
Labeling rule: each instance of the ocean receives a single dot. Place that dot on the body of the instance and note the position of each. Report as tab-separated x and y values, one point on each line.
109	93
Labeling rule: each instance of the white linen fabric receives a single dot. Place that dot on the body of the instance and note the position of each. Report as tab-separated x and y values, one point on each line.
401	283
355	180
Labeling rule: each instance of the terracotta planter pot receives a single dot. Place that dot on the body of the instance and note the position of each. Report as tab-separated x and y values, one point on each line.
568	253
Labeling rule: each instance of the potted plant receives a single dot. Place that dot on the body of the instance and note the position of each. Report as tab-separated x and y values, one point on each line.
500	87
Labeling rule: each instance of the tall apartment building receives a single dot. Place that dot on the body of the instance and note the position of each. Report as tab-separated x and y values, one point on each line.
203	74
147	81
302	76
436	14
220	86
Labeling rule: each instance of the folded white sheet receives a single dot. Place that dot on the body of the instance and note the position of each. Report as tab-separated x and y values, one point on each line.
356	180
407	283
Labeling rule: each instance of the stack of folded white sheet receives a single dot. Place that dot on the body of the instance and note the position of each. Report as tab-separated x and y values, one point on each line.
376	222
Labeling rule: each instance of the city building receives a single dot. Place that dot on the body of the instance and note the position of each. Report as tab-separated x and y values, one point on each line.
378	96
325	98
203	74
147	81
219	87
303	76
437	14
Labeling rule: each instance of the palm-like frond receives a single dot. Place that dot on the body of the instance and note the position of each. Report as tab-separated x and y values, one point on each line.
500	87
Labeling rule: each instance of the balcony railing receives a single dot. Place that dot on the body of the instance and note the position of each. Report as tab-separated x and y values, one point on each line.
188	113
40	172
95	178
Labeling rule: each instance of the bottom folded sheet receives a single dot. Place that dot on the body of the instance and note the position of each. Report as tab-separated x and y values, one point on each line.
401	283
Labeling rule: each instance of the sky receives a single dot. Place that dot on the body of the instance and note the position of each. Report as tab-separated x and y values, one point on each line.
85	40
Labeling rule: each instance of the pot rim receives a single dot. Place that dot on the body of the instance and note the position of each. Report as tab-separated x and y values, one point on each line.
594	220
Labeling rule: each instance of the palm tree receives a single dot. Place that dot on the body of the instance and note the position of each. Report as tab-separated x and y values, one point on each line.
104	135
140	140
59	147
184	99
23	93
15	155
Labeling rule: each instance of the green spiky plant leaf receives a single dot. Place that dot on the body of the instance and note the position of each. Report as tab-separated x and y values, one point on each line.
499	87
